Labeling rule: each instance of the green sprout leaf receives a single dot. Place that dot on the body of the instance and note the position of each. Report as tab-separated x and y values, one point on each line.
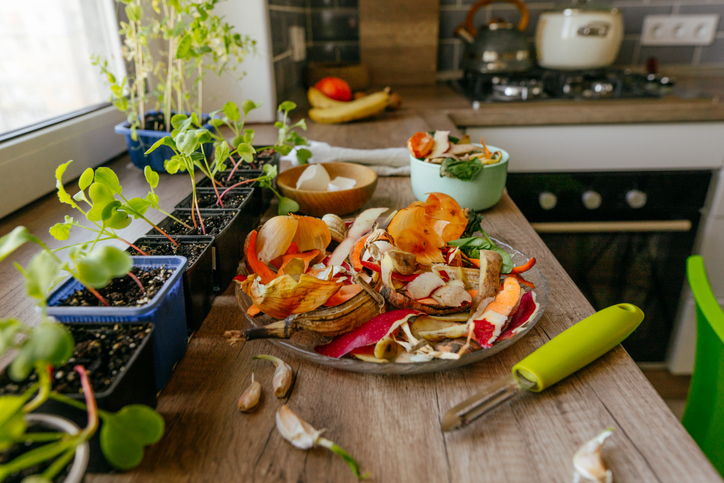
246	152
85	179
63	195
114	216
125	434
41	275
287	106
12	424
151	177
8	329
101	265
14	240
187	142
48	343
221	152
248	106
101	197
231	111
287	205
303	155
107	177
184	47
164	141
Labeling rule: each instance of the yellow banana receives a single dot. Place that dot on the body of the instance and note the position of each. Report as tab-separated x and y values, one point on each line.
318	99
350	111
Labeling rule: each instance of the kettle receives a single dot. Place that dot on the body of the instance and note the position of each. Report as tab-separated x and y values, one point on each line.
497	47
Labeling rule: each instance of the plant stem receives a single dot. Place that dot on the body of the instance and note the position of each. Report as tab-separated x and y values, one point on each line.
66	400
42	437
132	246
200	84
159	230
238	184
138	282
201	222
58	465
44	388
97	295
174	218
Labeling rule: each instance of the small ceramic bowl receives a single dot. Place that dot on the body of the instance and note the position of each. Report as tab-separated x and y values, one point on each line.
478	194
319	203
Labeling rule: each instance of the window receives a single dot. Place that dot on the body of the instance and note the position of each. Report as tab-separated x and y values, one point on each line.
45	69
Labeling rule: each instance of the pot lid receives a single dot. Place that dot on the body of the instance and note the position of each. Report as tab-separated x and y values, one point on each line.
584	6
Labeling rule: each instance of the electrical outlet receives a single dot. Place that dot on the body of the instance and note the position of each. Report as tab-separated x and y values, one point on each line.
679	29
297	43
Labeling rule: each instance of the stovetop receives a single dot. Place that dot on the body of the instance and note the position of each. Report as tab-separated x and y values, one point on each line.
543	84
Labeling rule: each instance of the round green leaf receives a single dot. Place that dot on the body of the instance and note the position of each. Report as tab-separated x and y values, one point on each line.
231	111
86	178
151	176
125	434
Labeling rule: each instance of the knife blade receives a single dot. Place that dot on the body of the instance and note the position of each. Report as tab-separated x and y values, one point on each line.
569	351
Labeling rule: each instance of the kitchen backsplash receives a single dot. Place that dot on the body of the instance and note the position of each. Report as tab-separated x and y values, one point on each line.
332	33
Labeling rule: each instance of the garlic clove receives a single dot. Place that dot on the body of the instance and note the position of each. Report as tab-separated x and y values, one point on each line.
283	375
295	430
588	461
250	398
314	178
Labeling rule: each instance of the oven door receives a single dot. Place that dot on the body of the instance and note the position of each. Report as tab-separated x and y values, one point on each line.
622	237
637	262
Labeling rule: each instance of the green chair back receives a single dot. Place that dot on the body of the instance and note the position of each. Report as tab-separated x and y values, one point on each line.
704	413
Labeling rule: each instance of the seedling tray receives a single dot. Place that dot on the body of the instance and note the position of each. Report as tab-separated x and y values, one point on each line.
186	203
198	279
166	310
228	243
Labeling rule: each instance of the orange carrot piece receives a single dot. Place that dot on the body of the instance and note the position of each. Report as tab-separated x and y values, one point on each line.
292	248
473	293
256	266
473	261
523	268
306	257
253	311
355	256
343	294
522	280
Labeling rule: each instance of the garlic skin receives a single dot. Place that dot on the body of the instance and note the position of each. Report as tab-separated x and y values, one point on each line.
337	227
295	430
250	398
283	375
588	461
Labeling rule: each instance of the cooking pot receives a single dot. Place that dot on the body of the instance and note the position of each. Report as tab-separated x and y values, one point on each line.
578	37
498	46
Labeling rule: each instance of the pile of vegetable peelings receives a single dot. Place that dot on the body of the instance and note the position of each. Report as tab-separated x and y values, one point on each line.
449	288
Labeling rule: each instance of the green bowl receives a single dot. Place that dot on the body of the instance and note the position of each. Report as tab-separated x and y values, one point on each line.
478	194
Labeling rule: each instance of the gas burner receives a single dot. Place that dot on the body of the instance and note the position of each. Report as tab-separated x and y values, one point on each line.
551	84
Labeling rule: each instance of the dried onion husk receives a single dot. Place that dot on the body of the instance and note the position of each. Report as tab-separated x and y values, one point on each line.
284	296
278	233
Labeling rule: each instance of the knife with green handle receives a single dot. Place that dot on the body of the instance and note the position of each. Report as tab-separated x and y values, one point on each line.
569	351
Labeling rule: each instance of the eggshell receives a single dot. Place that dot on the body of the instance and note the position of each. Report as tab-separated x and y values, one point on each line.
314	178
341	183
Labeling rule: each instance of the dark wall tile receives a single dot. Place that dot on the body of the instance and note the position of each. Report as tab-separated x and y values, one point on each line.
279	33
322	53
713	53
633	17
667	54
297	3
703	10
334	25
450	19
626	52
349	52
321	3
278	2
448	2
348	3
446	57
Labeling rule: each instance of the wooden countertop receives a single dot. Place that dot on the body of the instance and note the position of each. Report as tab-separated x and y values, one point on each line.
389	423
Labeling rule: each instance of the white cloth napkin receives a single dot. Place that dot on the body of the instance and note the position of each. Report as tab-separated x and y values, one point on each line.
384	162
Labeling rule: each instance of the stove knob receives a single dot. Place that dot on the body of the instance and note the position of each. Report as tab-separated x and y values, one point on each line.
636	199
547	200
591	200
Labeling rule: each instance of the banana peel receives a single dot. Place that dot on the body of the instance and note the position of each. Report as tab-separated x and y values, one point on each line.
318	99
367	106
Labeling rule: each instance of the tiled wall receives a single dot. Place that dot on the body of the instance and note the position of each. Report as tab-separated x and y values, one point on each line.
332	35
452	13
332	32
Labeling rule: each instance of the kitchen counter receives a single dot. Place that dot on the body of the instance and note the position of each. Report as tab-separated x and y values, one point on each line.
390	424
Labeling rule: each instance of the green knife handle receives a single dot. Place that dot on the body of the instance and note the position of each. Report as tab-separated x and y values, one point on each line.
579	345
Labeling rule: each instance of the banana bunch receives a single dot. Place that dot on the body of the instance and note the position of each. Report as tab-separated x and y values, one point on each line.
329	111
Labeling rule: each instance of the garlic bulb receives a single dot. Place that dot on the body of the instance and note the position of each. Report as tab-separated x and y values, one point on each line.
337	227
283	375
588	462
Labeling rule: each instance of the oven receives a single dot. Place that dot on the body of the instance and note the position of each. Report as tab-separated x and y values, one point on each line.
622	237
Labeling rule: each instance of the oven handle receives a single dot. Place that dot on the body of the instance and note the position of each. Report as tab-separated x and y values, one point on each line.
613	226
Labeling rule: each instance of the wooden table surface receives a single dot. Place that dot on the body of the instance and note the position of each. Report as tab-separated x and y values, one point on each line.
391	424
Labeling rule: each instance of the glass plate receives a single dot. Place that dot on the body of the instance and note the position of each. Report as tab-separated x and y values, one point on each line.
302	343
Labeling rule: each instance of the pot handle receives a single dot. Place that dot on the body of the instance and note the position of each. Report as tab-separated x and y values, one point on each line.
467	30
